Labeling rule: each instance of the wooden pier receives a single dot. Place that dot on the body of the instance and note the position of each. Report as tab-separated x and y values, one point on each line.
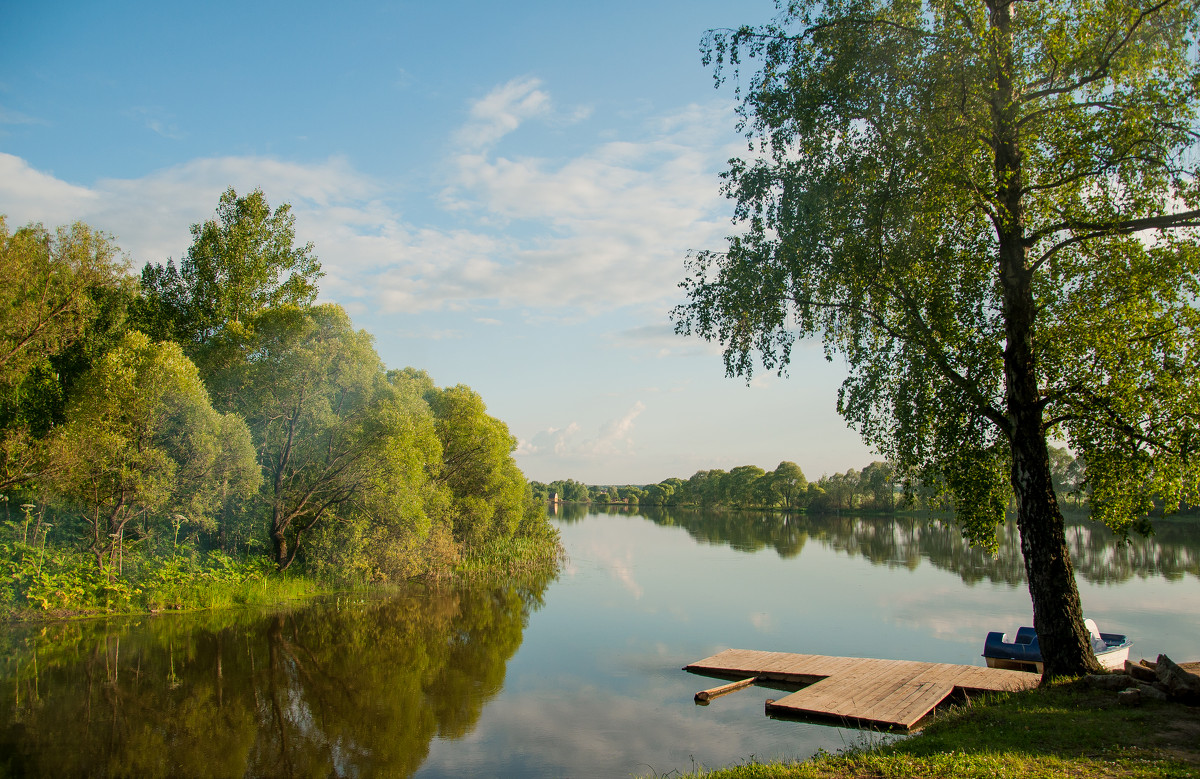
894	694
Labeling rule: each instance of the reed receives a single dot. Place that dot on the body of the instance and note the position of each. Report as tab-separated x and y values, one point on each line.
512	557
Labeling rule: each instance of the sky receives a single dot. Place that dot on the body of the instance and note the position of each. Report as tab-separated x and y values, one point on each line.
503	194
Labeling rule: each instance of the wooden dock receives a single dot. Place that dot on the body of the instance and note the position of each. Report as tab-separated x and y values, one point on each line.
894	694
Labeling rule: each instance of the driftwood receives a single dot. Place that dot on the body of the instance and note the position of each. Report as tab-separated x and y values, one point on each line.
1159	680
1141	672
1180	684
704	696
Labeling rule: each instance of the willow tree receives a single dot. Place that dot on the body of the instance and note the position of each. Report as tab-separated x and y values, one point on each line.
143	442
989	209
310	387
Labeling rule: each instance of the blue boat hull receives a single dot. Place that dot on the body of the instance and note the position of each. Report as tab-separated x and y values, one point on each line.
1024	654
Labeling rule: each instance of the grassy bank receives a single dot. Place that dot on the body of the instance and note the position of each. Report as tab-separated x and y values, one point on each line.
57	583
1067	730
48	582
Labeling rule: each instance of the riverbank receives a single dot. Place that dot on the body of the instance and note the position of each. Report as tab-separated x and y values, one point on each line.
1067	729
66	584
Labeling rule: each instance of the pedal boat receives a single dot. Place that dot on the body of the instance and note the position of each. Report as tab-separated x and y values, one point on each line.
1024	654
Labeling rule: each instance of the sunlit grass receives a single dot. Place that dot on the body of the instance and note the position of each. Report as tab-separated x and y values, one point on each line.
1068	729
68	583
512	557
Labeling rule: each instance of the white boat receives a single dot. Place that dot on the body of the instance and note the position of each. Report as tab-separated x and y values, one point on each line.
1024	654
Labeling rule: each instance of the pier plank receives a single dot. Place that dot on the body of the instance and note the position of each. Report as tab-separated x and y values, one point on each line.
894	694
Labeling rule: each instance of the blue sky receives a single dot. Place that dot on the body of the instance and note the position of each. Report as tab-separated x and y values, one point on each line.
502	193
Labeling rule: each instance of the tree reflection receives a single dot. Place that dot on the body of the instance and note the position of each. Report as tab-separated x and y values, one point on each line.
346	688
1099	556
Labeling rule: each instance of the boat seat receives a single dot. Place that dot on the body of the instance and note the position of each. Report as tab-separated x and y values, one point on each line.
997	645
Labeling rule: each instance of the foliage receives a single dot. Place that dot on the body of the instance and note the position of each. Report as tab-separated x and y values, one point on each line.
55	289
509	558
39	575
490	496
989	213
240	264
142	441
312	390
45	280
567	490
106	425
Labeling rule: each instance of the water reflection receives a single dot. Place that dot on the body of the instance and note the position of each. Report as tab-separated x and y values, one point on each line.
344	688
1099	556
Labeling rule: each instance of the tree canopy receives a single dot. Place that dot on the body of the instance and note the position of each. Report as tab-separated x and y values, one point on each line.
239	264
219	408
62	297
989	209
143	442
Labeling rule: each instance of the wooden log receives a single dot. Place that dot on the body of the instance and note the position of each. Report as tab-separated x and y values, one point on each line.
1141	673
1180	684
704	696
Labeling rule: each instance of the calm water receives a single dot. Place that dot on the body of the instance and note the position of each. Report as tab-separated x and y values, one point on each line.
576	677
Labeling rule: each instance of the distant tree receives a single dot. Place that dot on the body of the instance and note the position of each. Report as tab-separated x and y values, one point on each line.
815	497
571	491
674	487
1076	480
839	489
706	488
766	492
540	491
1060	465
878	482
653	495
790	483
661	494
740	484
630	494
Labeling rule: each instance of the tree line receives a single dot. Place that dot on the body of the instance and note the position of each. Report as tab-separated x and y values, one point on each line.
744	487
877	487
215	405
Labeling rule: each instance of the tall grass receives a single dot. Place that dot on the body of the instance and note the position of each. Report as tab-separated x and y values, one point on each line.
39	580
512	558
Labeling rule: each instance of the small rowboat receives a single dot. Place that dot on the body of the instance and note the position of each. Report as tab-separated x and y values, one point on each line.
1024	654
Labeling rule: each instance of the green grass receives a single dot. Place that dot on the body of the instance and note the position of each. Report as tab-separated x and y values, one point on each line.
512	557
1065	730
68	583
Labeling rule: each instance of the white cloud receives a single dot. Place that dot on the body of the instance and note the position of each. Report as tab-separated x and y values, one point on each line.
661	340
150	216
28	195
614	439
606	229
502	111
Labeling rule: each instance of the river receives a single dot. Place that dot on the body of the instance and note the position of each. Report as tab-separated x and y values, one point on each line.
576	677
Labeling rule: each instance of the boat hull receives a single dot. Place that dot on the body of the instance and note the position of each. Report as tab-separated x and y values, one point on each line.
1025	654
1112	660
